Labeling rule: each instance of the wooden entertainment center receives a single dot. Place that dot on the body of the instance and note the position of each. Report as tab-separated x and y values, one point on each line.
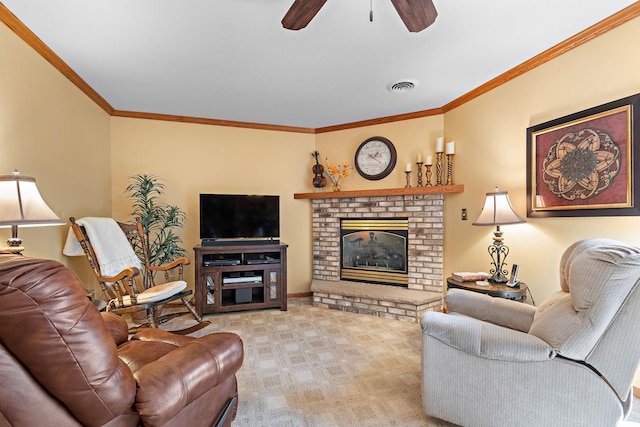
240	276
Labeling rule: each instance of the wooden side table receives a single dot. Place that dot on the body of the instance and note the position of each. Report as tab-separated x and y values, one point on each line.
493	289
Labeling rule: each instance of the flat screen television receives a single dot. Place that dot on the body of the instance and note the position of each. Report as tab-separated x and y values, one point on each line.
239	217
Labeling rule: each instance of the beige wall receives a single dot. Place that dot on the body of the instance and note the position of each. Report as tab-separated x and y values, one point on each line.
50	130
410	137
490	134
82	158
193	159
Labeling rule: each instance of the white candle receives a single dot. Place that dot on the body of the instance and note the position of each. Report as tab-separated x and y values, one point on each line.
419	158
440	145
407	168
450	148
429	160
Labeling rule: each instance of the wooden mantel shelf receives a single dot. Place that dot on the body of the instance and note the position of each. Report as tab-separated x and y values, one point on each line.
381	192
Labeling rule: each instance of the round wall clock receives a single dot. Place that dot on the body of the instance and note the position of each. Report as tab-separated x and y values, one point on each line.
375	158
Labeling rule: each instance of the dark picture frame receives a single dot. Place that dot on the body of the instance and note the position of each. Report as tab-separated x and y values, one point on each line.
583	164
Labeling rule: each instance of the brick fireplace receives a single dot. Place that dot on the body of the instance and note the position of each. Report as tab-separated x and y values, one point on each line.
424	213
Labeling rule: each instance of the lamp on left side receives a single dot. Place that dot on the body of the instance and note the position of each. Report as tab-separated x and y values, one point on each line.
22	205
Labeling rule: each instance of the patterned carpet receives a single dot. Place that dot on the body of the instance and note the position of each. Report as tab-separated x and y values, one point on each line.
317	367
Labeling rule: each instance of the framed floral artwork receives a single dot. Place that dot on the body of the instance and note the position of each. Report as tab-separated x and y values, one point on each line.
583	164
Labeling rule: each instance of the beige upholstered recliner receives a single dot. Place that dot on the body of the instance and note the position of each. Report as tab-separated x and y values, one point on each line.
63	363
569	362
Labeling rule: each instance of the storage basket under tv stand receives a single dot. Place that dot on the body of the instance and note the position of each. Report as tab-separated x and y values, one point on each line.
242	276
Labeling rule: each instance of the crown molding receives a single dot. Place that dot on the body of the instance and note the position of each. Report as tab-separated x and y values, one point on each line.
381	120
212	122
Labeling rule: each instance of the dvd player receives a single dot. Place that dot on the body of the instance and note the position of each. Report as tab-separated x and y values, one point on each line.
241	280
266	260
220	262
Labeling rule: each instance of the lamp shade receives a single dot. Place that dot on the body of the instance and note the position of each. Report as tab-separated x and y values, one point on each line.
497	210
21	203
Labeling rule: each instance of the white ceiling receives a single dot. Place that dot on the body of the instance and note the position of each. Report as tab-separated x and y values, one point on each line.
232	60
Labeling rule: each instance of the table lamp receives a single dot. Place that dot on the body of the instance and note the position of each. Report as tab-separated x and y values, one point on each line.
498	211
22	205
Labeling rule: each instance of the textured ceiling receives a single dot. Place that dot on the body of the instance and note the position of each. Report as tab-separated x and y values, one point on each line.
232	60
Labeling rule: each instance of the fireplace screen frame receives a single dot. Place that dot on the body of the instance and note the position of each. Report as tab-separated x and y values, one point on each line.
374	250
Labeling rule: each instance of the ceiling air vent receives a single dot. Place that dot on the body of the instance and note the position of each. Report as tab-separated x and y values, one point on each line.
401	86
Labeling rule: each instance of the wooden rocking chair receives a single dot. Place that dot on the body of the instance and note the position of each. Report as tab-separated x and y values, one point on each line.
130	291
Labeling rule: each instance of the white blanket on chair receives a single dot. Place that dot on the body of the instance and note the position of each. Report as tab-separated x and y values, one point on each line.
111	246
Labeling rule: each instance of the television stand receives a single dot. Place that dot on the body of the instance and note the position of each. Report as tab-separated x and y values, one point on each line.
256	279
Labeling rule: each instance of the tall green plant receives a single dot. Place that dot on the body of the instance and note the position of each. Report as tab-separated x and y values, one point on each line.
159	219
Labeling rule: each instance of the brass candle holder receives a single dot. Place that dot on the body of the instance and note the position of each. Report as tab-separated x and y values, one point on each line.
419	174
408	173
439	168
449	169
428	184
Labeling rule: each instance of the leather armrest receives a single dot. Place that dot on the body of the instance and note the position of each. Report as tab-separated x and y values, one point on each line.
117	327
159	335
499	311
167	385
484	339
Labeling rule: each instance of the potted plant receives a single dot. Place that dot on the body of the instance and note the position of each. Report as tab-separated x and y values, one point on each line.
159	220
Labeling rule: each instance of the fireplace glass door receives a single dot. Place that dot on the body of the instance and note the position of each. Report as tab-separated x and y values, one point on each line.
374	250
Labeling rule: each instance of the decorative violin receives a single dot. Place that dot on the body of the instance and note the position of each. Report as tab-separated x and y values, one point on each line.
319	180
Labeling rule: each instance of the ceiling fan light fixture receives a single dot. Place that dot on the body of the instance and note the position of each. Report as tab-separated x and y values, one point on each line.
401	86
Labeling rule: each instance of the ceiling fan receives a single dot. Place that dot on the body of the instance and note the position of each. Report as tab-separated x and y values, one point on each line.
416	14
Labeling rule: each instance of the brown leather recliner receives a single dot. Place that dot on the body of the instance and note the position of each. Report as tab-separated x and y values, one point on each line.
63	363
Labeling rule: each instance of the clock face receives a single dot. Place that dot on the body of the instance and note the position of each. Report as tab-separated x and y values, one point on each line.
375	158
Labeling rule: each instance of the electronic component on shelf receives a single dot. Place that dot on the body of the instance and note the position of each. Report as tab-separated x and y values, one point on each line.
220	262
263	260
243	296
243	280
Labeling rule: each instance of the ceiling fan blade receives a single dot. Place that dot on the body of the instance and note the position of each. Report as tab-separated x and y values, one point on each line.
301	13
416	14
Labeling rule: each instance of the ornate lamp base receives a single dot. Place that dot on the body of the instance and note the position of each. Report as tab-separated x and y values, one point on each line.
498	252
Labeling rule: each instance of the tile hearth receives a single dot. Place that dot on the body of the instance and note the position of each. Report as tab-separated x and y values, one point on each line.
391	302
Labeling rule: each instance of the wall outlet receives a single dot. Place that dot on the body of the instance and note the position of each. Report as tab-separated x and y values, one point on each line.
463	215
